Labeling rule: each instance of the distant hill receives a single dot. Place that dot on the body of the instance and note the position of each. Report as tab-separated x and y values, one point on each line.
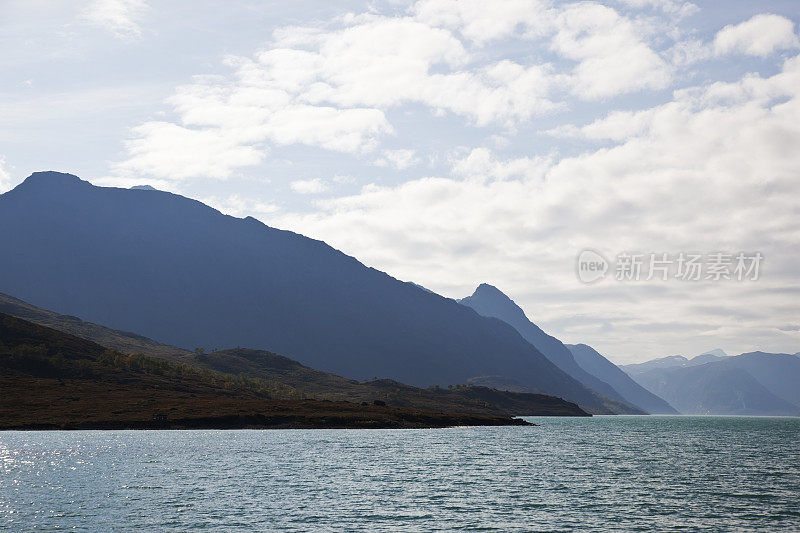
753	383
51	379
490	301
182	273
708	357
714	388
594	363
778	372
672	361
299	379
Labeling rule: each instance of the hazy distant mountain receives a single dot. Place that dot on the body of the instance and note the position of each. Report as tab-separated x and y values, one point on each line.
708	357
490	301
182	273
597	365
672	361
778	372
751	383
714	388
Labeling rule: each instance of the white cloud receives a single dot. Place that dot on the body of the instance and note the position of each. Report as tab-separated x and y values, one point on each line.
611	51
612	54
332	87
167	150
312	186
241	206
5	176
477	23
716	168
400	159
759	36
679	9
121	17
481	164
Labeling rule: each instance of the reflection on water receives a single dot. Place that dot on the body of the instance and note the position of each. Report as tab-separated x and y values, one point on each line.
605	473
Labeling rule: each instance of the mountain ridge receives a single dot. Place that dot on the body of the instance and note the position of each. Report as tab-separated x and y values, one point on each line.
184	274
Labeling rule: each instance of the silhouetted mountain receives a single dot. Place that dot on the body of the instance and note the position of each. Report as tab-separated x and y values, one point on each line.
490	301
714	388
597	365
182	273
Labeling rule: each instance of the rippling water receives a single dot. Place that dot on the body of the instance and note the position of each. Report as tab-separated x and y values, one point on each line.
626	473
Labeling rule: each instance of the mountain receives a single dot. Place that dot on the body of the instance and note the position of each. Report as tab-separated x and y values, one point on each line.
708	357
715	383
597	365
180	272
672	361
491	302
714	388
778	372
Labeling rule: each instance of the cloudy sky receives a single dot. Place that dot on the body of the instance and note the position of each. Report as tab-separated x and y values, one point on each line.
451	144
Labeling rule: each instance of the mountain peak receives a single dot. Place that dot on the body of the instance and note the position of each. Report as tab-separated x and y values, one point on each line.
47	180
51	176
484	289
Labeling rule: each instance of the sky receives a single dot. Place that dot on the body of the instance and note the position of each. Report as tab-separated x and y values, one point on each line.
451	144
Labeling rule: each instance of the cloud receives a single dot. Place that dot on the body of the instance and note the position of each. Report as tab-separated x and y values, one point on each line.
610	50
331	89
334	86
672	7
167	150
400	159
475	22
759	36
612	54
713	169
240	206
312	186
120	17
5	176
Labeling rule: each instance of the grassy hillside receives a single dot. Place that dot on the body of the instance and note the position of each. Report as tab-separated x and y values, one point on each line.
50	379
121	341
305	382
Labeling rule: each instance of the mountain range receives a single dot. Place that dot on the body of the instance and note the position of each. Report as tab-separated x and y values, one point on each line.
754	383
189	280
177	271
593	370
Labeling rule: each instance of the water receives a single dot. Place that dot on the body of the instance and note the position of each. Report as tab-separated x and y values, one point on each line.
624	473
